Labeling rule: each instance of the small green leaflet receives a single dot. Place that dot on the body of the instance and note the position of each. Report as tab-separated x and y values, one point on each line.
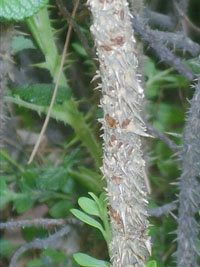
6	195
89	206
41	93
17	10
151	264
88	261
87	219
20	43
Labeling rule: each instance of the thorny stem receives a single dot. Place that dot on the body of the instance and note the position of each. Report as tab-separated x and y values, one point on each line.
123	163
149	36
39	244
189	196
39	222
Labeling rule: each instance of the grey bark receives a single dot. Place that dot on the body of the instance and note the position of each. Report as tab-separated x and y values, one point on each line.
189	196
156	43
160	20
123	163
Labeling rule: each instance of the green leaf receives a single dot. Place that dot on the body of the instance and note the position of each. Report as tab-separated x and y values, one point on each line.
35	263
55	256
20	43
88	261
150	69
7	195
7	247
198	246
16	10
79	49
87	219
61	209
151	264
32	232
94	197
41	93
24	204
89	206
51	178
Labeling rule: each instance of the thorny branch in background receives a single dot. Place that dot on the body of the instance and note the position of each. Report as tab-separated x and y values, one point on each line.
39	244
6	63
149	36
163	137
76	28
39	222
189	186
160	20
179	41
164	210
1	115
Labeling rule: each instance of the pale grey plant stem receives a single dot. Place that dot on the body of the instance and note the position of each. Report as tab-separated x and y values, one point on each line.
163	210
39	243
189	196
123	163
38	222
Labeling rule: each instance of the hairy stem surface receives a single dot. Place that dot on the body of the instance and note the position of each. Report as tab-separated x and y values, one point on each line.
123	164
189	196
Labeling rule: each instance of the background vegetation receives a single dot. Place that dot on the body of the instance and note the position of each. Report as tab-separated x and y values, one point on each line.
67	164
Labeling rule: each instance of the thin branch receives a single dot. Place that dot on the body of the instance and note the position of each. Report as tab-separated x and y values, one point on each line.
160	20
171	144
189	186
39	244
76	28
185	17
179	40
56	87
164	210
162	51
38	222
184	5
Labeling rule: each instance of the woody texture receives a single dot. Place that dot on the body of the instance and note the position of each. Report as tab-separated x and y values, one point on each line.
122	100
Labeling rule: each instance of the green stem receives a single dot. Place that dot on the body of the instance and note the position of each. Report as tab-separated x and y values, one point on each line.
91	182
158	76
41	30
68	114
11	160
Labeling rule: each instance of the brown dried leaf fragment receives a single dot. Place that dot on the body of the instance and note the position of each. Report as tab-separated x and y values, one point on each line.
119	40
122	14
111	122
114	214
116	179
106	47
125	123
113	138
111	88
120	144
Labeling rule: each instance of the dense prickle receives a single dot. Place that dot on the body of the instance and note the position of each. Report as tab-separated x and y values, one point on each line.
6	64
123	164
